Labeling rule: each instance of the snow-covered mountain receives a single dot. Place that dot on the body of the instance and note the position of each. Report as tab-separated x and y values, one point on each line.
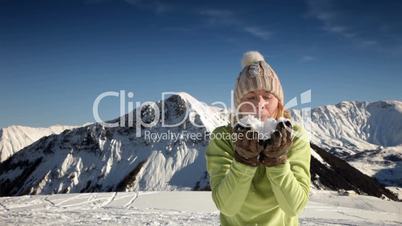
352	126
384	163
367	135
97	158
14	138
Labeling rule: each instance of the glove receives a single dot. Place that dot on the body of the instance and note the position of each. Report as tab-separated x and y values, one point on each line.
275	150
247	149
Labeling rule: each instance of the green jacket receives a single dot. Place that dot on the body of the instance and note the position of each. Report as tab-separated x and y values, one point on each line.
247	195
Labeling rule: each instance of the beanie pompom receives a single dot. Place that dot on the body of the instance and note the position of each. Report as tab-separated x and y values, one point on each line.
251	57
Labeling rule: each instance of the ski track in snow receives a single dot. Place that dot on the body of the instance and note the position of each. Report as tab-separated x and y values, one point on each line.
181	208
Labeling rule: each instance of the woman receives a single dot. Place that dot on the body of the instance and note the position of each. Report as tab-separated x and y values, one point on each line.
253	183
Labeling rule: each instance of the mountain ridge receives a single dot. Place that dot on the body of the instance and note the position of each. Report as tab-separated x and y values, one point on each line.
95	158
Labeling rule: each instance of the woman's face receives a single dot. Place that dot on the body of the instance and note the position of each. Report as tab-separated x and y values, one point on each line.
261	103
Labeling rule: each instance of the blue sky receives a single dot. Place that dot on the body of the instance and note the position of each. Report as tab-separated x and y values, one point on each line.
56	57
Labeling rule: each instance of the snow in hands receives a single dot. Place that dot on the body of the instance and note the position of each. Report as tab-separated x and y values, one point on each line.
263	128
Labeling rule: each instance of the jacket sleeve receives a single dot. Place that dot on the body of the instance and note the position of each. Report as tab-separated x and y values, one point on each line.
229	179
291	181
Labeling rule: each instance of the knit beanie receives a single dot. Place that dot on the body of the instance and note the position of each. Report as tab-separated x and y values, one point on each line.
256	74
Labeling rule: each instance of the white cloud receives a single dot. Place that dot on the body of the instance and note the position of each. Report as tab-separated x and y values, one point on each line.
258	32
324	11
360	28
217	17
307	58
153	5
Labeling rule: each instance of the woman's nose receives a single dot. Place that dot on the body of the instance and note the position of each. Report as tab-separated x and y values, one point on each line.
261	101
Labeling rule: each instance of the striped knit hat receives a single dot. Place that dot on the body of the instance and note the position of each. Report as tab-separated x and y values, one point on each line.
256	74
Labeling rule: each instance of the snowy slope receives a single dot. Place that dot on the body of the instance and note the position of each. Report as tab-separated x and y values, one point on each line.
384	163
14	138
181	208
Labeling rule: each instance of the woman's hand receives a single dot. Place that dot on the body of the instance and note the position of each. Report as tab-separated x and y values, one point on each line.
247	149
276	149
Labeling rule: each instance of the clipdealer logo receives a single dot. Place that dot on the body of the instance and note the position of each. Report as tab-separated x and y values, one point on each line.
134	109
